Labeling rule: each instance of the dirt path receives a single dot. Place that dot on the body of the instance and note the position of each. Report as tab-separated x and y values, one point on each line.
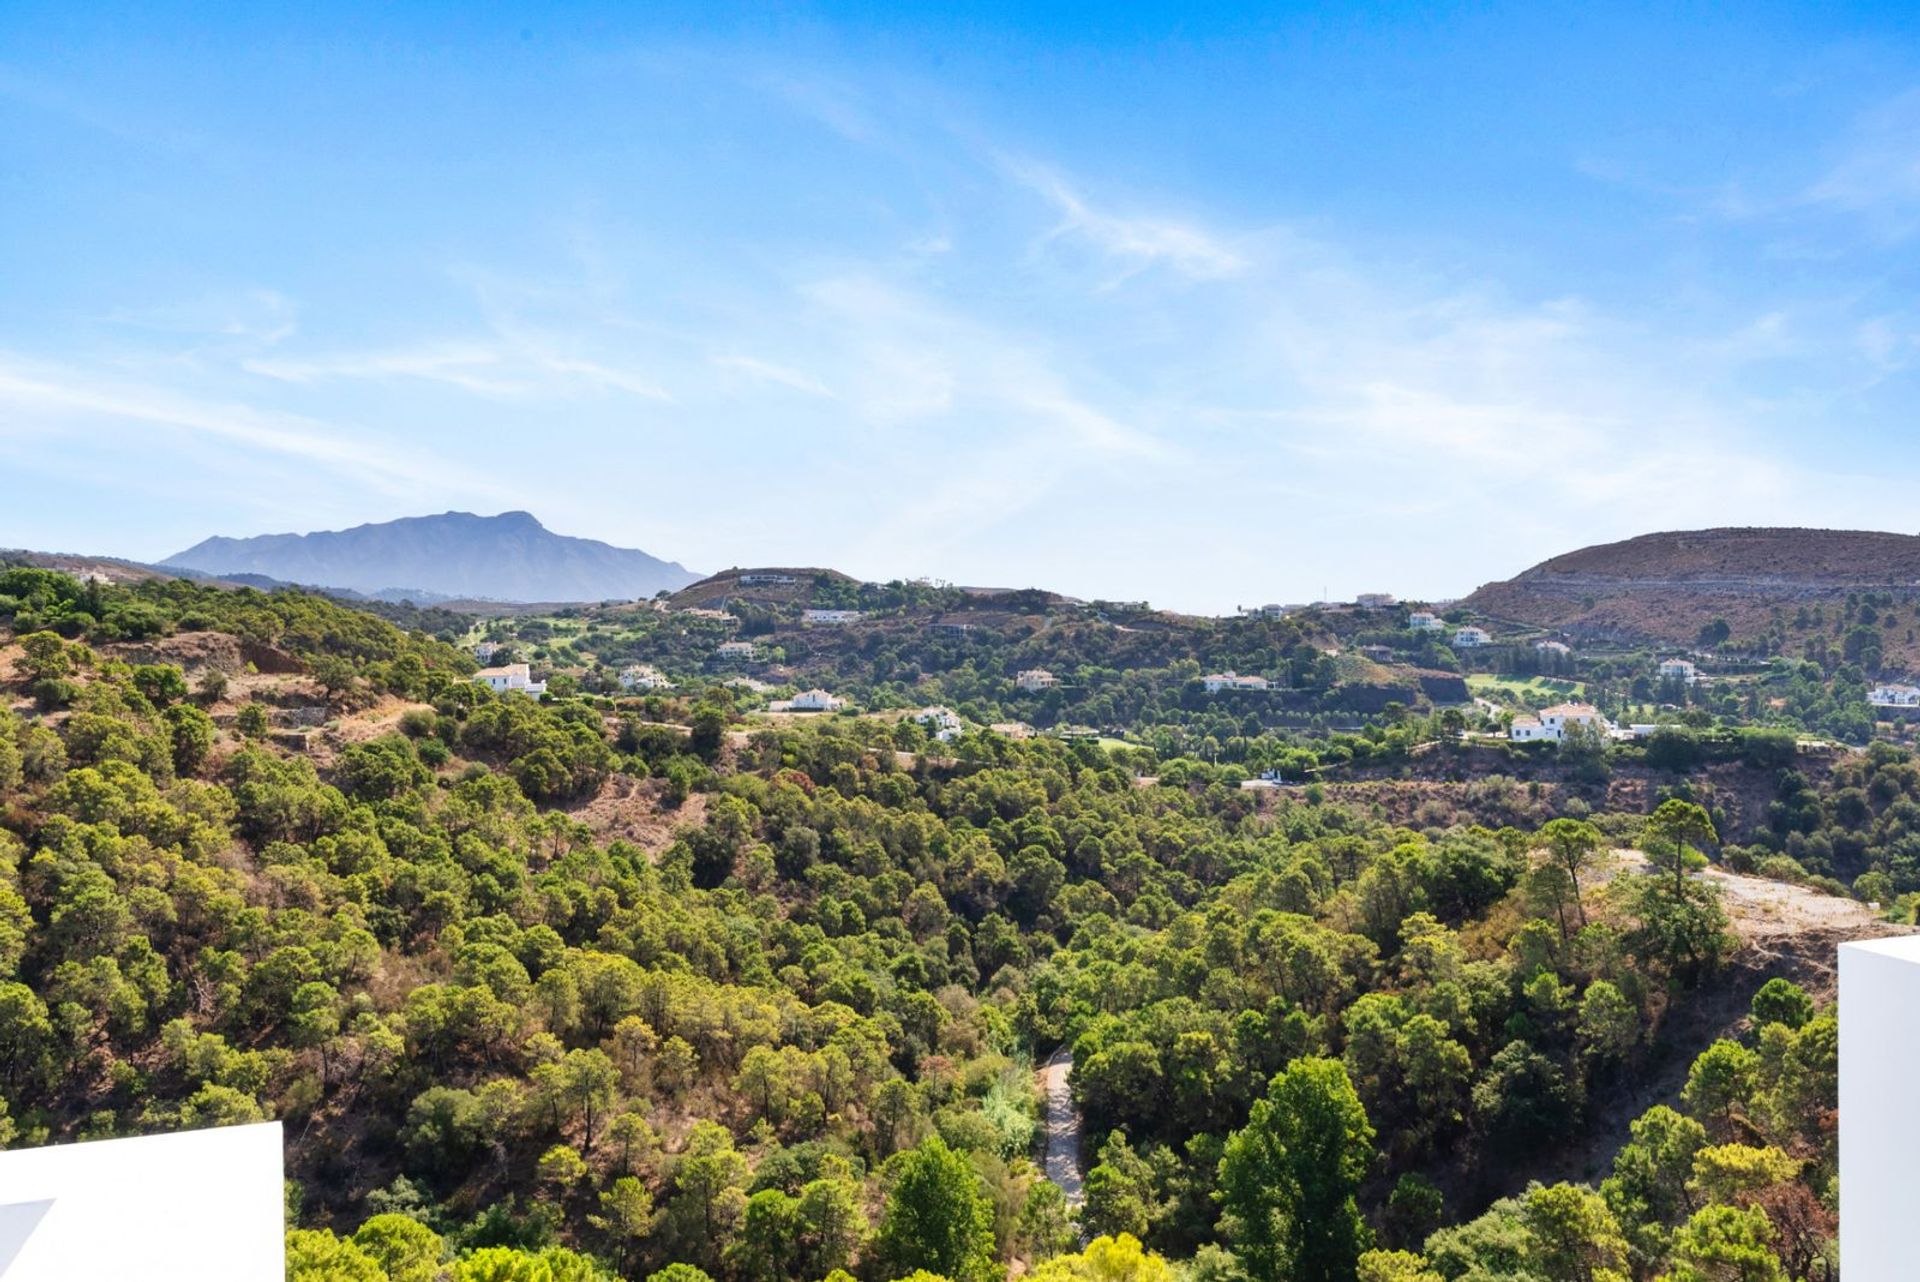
1063	1128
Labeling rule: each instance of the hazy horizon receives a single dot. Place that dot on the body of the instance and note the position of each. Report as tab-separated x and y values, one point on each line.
1201	308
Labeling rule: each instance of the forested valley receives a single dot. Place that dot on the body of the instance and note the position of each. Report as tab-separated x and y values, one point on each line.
592	988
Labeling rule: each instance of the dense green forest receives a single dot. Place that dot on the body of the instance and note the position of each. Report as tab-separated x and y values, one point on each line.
782	1019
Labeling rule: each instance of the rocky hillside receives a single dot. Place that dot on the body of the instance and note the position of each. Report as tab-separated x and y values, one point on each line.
509	557
1669	586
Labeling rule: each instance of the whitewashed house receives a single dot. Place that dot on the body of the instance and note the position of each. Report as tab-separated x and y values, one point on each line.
943	723
1376	600
737	650
1217	681
485	650
516	678
815	701
1551	725
1679	670
1560	648
1469	637
1425	621
1894	696
642	676
830	618
1034	680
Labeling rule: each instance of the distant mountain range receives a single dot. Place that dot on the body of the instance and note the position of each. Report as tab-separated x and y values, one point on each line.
455	555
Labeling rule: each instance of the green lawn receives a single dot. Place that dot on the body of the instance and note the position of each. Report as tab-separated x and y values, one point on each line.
1518	689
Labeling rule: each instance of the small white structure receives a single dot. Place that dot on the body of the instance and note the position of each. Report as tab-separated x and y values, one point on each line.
1679	670
766	579
815	701
1425	621
831	618
516	678
1218	681
1376	600
198	1206
1469	637
1879	1109
737	650
943	723
1551	724
953	627
1894	696
1033	680
642	676
1560	648
485	650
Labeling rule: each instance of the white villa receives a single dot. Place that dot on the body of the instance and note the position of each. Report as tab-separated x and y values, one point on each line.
1376	600
834	618
944	723
1552	724
642	676
1678	670
516	677
737	650
1425	621
1469	637
1894	696
1553	647
485	650
1034	680
815	701
1218	681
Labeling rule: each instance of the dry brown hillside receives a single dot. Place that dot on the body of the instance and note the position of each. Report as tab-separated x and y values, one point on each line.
1665	587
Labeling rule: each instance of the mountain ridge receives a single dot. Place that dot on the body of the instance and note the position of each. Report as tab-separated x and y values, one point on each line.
509	556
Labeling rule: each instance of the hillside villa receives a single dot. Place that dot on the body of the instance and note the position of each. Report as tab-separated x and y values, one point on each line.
1376	600
1679	670
1550	725
642	676
1034	680
943	723
1218	681
515	677
485	650
1560	648
1425	621
758	579
1894	696
1470	637
737	650
808	701
833	618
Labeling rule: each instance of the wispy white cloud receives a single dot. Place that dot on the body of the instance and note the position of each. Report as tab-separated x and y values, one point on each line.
42	399
767	372
481	367
1138	242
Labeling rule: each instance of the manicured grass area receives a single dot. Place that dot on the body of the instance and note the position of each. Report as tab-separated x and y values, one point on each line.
1493	686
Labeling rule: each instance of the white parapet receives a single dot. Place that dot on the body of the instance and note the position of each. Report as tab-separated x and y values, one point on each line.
1880	1108
198	1206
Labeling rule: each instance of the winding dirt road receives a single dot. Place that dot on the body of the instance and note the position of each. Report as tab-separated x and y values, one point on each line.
1063	1128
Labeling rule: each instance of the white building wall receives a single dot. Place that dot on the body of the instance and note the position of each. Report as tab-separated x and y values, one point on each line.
197	1206
1879	1108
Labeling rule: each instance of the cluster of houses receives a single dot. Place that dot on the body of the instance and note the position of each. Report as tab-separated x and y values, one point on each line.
643	676
831	618
943	724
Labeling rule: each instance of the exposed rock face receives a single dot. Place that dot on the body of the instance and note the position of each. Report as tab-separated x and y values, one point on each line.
509	557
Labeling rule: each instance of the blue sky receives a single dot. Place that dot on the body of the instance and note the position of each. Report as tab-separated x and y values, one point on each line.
1207	305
